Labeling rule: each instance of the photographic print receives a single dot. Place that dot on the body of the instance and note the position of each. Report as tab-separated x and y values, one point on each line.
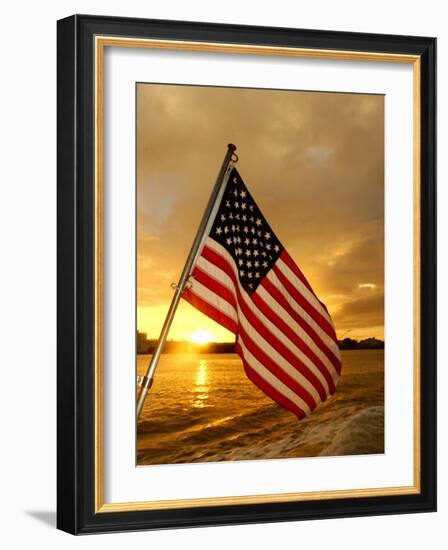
273	347
246	274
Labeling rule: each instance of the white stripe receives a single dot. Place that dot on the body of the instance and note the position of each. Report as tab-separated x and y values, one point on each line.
222	278
273	380
302	334
258	339
214	245
296	283
303	289
323	336
213	299
326	339
272	277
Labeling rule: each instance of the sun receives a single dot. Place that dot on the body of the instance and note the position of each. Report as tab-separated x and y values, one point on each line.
200	337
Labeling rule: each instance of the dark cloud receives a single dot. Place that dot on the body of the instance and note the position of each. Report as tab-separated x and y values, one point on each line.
361	314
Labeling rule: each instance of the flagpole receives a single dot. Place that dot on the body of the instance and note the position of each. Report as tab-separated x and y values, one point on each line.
149	376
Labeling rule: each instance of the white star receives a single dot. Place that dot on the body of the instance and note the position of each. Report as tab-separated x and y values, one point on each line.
243	206
267	235
240	262
248	264
235	180
218	231
247	241
265	264
235	192
223	218
233	228
228	204
254	241
237	204
252	219
250	285
263	253
248	253
259	233
249	275
257	275
251	207
258	222
239	251
256	264
276	248
243	194
252	230
244	218
229	241
246	229
242	273
230	216
268	247
226	229
255	252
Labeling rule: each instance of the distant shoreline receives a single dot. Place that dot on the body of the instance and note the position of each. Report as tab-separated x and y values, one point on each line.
145	346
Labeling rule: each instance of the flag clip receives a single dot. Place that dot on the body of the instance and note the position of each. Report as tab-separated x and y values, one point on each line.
175	286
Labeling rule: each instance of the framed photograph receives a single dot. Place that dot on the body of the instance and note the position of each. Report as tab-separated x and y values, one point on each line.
246	274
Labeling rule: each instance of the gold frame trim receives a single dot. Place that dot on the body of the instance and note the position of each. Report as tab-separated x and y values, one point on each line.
101	42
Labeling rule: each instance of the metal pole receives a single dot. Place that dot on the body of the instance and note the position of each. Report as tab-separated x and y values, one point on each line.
148	378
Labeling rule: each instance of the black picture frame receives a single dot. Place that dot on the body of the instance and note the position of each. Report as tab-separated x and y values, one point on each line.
76	511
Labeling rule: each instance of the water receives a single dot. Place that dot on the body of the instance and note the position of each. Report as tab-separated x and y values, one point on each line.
203	408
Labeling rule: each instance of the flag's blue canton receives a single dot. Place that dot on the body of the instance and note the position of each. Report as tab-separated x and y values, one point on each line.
242	229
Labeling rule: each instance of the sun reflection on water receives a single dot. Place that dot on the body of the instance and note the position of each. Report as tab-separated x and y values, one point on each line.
201	387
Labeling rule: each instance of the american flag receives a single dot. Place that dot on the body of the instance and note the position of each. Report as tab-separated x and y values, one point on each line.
246	281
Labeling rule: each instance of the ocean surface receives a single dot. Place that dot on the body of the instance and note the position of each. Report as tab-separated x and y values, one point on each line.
203	408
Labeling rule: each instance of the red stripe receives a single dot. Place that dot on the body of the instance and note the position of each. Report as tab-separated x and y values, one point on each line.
266	388
213	284
297	271
226	294
295	339
218	260
295	362
268	363
277	371
278	297
264	331
213	257
303	303
210	311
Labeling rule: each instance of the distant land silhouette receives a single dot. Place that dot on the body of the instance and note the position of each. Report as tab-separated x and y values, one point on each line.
144	345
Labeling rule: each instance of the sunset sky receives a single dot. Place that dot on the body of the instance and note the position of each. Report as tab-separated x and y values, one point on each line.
314	163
